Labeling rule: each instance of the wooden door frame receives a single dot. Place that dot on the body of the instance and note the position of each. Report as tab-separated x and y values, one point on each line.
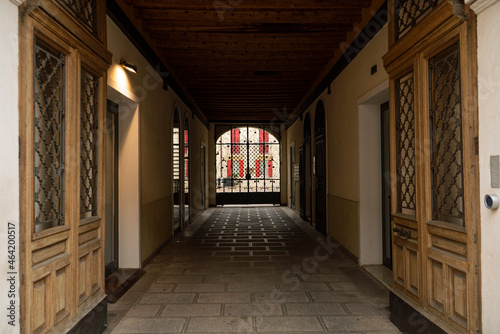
437	31
50	260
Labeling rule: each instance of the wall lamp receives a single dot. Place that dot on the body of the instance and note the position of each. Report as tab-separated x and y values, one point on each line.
128	66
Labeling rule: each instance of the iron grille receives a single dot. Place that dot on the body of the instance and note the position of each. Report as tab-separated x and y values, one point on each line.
48	137
409	12
88	145
248	160
85	11
446	132
405	141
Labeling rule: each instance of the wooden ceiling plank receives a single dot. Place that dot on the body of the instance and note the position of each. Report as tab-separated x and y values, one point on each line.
248	5
344	15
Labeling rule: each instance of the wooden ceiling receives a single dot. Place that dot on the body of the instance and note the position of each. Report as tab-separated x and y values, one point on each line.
247	60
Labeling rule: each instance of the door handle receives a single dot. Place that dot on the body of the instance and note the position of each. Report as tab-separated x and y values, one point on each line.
402	232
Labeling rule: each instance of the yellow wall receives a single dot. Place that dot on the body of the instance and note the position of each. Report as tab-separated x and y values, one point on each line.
156	108
341	108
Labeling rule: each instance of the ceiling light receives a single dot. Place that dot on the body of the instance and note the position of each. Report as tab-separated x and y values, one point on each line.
128	66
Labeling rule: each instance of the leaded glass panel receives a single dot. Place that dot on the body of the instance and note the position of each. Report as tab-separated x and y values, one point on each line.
409	12
446	132
49	75
405	145
85	11
88	144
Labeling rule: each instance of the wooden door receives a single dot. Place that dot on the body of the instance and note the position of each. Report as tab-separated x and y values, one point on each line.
111	188
386	185
435	200
302	182
62	112
320	168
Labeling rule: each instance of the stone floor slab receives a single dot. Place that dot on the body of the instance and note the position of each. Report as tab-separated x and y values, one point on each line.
288	324
224	297
358	323
201	287
220	324
255	309
314	309
143	326
191	310
167	298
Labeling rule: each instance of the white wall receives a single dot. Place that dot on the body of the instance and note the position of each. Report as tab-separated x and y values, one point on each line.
9	150
489	145
370	174
129	214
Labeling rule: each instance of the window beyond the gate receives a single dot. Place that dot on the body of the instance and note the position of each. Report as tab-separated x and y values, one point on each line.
248	160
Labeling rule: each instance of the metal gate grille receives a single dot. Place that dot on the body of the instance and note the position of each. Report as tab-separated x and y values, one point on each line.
248	165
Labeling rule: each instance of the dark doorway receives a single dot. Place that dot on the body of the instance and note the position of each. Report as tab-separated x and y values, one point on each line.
292	176
320	168
386	186
111	198
305	171
187	183
203	178
176	167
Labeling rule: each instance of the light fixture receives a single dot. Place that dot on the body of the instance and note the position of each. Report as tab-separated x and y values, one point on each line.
128	66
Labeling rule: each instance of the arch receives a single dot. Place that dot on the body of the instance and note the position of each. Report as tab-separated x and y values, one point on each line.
247	165
306	172
320	168
187	182
176	175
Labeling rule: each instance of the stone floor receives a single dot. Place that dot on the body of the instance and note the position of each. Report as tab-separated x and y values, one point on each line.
252	270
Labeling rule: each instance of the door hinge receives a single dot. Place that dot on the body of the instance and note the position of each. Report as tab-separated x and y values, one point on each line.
476	145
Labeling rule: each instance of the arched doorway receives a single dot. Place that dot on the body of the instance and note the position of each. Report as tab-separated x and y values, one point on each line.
176	167
320	167
305	172
187	183
248	165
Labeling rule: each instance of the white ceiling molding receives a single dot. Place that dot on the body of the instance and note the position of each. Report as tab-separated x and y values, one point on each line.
479	5
17	2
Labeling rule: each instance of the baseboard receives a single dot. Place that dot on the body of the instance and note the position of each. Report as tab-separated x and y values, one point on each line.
408	320
94	322
156	252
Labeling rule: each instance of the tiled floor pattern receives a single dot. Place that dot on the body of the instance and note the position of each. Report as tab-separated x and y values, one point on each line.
252	270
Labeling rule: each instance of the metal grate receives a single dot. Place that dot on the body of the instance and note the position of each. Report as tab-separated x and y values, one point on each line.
409	12
88	145
248	161
85	11
446	132
48	137
405	141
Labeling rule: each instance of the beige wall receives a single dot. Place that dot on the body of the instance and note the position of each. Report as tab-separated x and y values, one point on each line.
488	26
341	108
9	150
155	110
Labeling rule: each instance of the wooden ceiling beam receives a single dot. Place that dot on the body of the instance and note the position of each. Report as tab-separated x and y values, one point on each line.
250	37
213	16
248	5
201	62
265	46
156	26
